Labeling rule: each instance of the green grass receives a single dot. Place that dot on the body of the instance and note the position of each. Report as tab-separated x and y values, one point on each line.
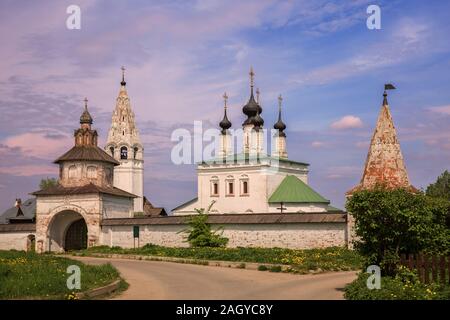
327	259
32	276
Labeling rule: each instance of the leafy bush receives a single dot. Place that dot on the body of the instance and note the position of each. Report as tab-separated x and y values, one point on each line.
391	222
262	268
405	285
200	233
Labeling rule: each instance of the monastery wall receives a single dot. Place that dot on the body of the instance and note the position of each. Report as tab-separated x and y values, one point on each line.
289	235
16	240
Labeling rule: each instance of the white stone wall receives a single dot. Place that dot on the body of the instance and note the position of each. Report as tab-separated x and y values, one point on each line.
295	235
116	207
14	240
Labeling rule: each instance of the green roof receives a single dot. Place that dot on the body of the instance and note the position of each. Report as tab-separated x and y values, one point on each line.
294	190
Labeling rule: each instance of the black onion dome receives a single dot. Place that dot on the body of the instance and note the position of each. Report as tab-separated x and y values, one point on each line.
257	121
279	125
225	123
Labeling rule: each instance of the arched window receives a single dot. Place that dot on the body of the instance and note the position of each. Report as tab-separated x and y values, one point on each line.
245	187
123	153
92	172
136	149
72	172
111	149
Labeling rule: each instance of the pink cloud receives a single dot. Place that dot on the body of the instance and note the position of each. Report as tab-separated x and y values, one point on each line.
317	144
347	122
30	170
39	144
441	109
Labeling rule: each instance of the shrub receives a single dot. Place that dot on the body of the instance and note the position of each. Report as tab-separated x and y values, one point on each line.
275	269
262	268
404	286
200	233
391	222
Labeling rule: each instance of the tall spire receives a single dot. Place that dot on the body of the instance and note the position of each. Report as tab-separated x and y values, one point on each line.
225	124
123	83
384	163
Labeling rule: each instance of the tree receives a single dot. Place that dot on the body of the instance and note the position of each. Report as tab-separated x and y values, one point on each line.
200	233
391	222
47	183
441	188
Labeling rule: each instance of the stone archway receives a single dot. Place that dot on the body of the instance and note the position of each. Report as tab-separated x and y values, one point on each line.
67	231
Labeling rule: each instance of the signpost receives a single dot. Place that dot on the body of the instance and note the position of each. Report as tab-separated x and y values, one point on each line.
135	236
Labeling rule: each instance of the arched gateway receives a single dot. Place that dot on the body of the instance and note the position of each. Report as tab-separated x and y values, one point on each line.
67	231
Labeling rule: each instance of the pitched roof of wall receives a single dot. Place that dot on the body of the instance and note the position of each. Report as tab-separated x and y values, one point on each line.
294	190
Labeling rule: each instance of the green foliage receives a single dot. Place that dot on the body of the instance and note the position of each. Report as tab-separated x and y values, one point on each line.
200	234
47	183
405	285
30	275
262	268
441	188
391	222
327	259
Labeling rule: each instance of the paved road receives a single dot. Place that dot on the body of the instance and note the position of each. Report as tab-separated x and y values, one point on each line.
168	280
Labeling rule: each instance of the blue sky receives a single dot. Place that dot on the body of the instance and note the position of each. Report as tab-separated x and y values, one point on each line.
182	55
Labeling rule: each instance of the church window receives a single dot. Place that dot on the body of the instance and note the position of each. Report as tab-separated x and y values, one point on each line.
135	152
111	149
214	186
72	172
123	132
123	153
245	187
230	188
92	172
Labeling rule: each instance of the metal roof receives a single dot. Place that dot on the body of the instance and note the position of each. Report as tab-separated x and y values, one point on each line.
294	190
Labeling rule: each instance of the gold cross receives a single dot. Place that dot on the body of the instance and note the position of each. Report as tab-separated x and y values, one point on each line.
252	75
85	102
225	99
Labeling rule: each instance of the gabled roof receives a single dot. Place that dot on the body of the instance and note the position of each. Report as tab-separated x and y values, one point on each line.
92	153
185	204
294	190
89	188
27	211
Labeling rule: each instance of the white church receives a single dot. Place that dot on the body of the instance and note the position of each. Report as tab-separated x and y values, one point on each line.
260	199
250	180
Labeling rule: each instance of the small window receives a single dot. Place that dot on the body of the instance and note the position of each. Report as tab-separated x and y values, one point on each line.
245	187
123	153
215	188
111	149
135	152
230	188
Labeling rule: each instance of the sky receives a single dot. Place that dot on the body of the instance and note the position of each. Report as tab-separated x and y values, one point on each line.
181	56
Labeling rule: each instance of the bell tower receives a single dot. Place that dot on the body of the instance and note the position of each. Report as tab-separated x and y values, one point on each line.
124	144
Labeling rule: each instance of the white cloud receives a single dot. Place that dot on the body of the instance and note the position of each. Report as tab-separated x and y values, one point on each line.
347	122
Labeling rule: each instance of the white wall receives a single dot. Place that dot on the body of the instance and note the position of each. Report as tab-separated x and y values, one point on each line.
14	240
290	235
